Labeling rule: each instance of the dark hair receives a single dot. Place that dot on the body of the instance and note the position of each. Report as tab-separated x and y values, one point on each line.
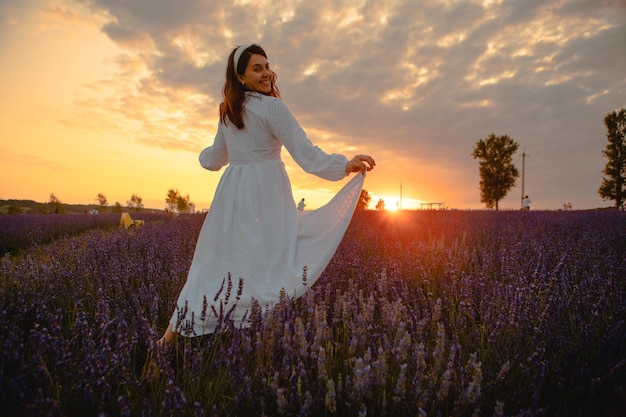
231	109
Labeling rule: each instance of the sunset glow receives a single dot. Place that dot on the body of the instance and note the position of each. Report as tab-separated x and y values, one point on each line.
395	203
120	98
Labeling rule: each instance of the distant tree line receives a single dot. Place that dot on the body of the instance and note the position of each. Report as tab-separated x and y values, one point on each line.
174	202
497	172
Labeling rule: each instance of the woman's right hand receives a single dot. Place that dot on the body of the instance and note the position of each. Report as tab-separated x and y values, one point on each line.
360	163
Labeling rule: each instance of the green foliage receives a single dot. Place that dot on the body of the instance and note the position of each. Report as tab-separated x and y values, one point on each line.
613	185
364	200
497	172
135	202
175	200
171	199
101	200
13	209
55	205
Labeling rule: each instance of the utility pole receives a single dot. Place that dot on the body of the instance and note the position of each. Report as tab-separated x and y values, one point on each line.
523	169
400	195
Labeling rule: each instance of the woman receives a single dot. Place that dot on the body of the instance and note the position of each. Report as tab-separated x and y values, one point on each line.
253	231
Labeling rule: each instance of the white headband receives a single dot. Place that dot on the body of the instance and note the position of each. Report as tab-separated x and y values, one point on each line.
240	49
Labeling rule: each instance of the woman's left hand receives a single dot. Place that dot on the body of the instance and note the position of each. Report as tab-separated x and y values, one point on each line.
360	163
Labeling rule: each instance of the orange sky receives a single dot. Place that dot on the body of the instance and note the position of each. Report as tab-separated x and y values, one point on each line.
97	100
55	141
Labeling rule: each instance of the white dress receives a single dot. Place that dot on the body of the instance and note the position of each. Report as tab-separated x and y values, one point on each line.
253	230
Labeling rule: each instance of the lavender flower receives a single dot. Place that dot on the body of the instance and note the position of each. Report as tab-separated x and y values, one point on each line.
386	330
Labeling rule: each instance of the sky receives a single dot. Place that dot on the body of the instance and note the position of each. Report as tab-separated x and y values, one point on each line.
119	97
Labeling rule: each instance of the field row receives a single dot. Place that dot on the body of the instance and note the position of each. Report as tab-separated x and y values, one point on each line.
432	313
19	231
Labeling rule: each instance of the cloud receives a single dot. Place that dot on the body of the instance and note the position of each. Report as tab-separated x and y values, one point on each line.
423	79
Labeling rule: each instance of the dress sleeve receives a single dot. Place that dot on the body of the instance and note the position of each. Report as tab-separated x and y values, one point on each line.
215	156
311	158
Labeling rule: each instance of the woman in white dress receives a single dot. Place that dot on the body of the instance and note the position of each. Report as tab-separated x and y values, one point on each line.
253	235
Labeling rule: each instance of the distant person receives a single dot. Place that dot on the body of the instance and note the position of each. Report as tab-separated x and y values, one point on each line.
252	230
526	203
301	205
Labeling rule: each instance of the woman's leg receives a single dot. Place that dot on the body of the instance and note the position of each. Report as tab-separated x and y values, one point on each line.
150	369
168	337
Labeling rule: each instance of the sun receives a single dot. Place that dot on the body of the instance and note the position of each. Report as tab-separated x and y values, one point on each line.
386	203
394	203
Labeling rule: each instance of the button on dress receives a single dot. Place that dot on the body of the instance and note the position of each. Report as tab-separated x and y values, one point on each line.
253	230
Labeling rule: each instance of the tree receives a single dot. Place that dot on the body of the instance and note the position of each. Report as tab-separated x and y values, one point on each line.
54	205
172	199
135	202
497	172
101	200
613	185
364	200
175	200
182	204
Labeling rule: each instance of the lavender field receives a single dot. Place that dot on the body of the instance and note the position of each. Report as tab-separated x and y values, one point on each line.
429	313
19	231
